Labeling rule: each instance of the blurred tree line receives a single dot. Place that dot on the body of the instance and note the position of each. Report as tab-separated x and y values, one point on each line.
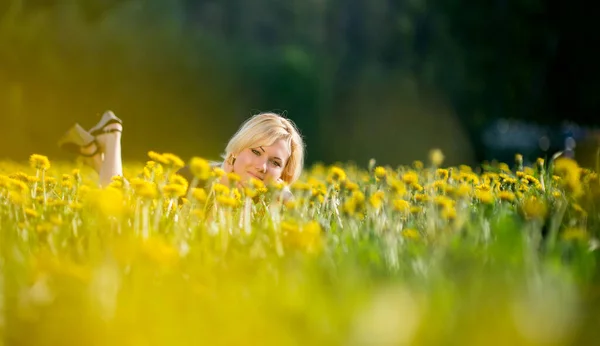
361	78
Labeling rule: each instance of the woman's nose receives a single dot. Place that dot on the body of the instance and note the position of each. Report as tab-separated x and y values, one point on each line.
261	165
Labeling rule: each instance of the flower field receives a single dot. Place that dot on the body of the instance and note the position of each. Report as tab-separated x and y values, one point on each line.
502	254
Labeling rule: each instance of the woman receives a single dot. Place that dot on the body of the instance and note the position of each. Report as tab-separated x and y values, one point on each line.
267	147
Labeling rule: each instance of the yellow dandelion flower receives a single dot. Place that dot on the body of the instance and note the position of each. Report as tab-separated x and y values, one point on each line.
380	172
416	187
4	181
401	205
397	186
336	174
23	177
504	167
440	185
506	196
410	233
291	204
236	193
32	179
565	165
256	183
18	186
528	171
153	167
410	177
173	160
358	196
174	190
539	163
463	190
178	180
199	194
483	187
31	212
301	186
436	157
280	185
220	189
519	160
444	201
143	188
448	213
227	201
350	186
421	197
200	168
415	209
532	179
116	184
418	165
354	204
442	173
376	199
39	162
154	156
233	177
108	201
533	208
570	174
17	198
318	190
484	196
67	181
218	172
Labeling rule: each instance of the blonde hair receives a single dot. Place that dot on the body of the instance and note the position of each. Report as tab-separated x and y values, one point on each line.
264	129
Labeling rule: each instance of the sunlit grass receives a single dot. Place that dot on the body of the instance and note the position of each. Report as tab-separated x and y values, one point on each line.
419	255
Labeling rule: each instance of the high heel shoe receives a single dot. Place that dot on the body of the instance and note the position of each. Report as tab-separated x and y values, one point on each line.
77	138
108	118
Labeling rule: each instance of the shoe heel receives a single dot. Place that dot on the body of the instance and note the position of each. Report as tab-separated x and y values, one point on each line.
74	139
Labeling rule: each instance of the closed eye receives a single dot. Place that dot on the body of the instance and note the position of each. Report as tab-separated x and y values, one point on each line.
256	152
276	163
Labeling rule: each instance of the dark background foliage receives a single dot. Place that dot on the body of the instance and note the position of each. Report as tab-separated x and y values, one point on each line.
361	78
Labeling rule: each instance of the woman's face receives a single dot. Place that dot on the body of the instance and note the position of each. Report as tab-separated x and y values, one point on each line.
265	163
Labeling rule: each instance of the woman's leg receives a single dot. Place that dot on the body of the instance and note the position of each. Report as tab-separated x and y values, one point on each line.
110	146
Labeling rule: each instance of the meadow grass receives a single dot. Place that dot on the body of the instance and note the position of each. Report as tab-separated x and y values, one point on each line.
411	255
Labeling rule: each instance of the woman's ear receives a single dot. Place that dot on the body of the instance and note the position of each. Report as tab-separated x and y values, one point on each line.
229	162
